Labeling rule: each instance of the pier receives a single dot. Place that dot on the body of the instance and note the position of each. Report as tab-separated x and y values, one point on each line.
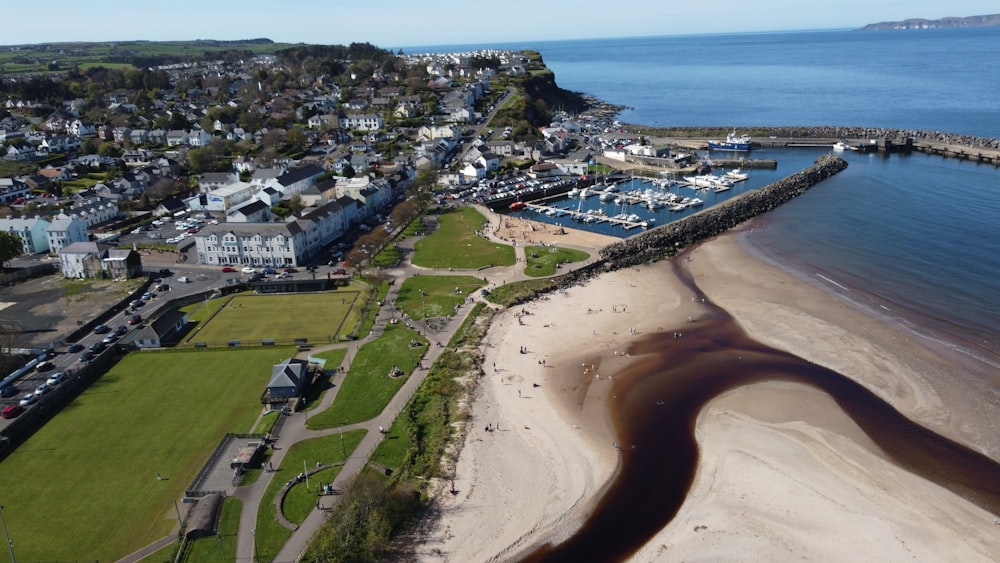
552	211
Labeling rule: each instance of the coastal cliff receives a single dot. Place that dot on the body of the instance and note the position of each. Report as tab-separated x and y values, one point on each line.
919	23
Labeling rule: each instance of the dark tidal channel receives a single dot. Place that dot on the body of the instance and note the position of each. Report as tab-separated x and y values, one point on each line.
657	404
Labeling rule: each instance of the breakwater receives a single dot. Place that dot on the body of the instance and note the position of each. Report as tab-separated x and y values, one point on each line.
666	240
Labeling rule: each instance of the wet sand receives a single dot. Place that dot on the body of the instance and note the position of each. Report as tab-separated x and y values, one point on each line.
781	470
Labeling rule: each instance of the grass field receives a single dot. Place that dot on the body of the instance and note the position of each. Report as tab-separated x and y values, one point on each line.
544	260
455	244
317	317
84	486
223	546
368	388
435	296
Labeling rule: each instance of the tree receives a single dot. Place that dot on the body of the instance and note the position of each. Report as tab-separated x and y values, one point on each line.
10	247
349	171
296	138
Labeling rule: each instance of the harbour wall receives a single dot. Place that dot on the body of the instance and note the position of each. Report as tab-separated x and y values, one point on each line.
666	240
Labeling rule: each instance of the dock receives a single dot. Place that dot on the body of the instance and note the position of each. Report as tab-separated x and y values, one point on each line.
552	211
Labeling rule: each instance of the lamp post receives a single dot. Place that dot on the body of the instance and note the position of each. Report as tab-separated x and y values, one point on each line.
342	444
253	554
10	543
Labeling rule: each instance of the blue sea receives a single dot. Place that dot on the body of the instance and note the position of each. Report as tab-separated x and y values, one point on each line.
916	234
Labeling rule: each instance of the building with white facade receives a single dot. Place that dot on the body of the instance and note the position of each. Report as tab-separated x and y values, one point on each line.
222	199
64	232
292	243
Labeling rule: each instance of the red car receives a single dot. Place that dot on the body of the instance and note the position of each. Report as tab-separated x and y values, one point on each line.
12	411
290	270
228	269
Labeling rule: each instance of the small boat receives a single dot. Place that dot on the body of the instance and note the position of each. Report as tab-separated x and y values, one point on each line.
516	205
575	192
737	175
607	196
733	142
841	146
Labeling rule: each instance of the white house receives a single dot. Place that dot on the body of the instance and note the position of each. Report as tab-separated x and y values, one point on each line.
362	122
222	199
64	232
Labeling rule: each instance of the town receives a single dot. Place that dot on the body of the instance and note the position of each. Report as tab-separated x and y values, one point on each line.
156	191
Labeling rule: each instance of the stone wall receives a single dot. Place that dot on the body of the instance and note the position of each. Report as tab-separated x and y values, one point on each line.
665	241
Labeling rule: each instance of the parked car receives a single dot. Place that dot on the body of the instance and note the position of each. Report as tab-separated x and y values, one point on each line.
28	399
101	329
97	347
165	272
8	391
110	338
42	389
228	269
86	356
55	379
134	319
339	272
44	366
147	296
269	271
74	348
120	330
248	270
184	279
290	270
11	411
137	303
162	287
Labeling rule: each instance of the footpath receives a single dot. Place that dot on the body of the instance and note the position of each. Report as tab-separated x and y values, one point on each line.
293	428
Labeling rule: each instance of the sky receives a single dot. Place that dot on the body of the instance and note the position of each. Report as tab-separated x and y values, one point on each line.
393	24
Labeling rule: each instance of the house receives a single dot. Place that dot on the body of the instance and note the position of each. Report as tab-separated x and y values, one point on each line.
82	260
473	172
33	233
169	206
11	189
295	180
122	264
256	211
163	329
288	381
362	121
64	232
214	180
92	211
543	170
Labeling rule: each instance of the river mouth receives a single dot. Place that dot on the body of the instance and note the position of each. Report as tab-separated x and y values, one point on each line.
657	403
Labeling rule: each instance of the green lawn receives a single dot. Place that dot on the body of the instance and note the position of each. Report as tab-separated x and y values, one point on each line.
317	317
90	472
543	260
368	388
435	296
223	546
271	535
455	244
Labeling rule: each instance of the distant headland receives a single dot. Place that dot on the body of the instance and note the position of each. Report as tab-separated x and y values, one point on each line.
918	23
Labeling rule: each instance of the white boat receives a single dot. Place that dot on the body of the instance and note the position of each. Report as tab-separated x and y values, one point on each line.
695	202
841	146
722	188
575	192
737	175
585	193
607	196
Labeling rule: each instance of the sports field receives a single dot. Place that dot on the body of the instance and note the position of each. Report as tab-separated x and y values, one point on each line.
85	487
250	319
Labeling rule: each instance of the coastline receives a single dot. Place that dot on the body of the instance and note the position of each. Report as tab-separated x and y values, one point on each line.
798	474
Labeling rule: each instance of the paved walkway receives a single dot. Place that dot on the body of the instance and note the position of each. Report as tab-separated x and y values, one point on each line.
293	429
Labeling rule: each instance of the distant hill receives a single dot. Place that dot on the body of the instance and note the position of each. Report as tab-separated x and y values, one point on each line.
918	23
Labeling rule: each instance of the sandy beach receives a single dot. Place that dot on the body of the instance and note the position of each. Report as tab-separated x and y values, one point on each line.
783	472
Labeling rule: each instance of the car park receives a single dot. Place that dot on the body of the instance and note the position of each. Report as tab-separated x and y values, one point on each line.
28	399
11	411
74	348
134	319
55	379
101	329
8	391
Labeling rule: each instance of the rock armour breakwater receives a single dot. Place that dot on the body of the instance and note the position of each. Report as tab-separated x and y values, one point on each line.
665	241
